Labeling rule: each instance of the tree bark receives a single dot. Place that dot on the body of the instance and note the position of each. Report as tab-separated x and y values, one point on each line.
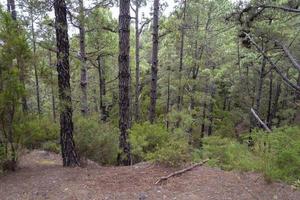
269	118
102	88
137	64
154	67
69	154
124	158
168	96
180	88
52	89
83	74
37	84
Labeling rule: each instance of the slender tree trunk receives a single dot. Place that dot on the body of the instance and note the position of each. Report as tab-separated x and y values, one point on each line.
102	88
211	109
22	80
180	88
124	158
195	68
154	67
52	89
37	85
69	154
275	102
204	112
168	96
83	74
269	118
137	65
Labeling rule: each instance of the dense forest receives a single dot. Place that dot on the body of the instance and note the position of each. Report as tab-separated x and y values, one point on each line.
213	80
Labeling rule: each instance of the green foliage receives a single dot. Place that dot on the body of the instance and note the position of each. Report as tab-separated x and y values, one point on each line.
38	131
96	141
153	142
229	154
276	155
281	152
51	146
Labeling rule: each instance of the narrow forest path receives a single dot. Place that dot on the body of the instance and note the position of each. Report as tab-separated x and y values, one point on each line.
41	176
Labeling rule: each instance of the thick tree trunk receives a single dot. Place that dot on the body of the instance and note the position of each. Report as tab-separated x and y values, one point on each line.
69	154
124	158
83	74
180	88
137	65
154	67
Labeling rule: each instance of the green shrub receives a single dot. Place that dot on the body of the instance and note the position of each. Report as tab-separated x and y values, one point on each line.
52	146
146	138
96	141
152	142
37	131
229	154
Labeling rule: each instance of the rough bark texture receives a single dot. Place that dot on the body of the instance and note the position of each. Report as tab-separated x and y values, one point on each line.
154	66
69	155
180	88
83	75
137	65
124	158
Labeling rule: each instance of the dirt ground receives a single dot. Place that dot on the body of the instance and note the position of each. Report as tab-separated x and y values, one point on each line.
41	177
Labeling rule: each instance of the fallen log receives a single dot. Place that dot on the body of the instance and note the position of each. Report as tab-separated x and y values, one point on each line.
260	121
164	178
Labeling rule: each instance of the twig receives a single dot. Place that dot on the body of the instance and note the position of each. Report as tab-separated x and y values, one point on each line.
164	178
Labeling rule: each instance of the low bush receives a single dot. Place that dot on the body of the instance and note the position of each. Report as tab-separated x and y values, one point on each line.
153	142
37	131
96	141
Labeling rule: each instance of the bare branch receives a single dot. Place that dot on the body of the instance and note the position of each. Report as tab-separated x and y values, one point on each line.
289	55
286	80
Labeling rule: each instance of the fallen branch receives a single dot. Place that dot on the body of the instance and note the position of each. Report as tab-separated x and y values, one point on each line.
164	178
260	121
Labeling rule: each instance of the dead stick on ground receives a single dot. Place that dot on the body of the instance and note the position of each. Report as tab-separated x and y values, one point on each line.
164	178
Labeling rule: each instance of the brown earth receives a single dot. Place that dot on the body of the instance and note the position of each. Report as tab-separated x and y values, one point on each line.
41	177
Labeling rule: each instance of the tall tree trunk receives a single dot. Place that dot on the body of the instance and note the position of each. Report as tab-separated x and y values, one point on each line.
137	64
52	89
259	93
154	67
204	112
102	88
195	68
37	85
124	158
69	154
168	95
83	74
180	88
22	80
275	102
211	109
269	118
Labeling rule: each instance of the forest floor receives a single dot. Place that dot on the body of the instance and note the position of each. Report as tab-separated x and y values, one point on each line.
41	176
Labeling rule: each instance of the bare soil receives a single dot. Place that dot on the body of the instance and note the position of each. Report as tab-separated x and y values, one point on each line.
41	177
